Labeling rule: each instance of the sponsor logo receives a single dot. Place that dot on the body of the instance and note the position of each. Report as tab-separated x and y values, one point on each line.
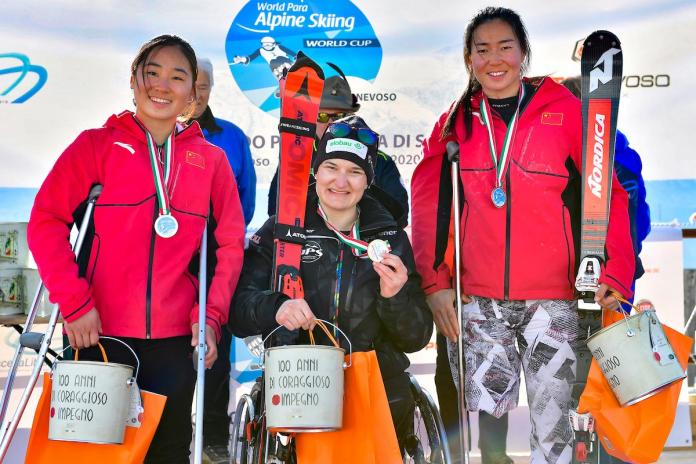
20	88
127	146
646	80
347	145
311	252
295	235
594	179
604	74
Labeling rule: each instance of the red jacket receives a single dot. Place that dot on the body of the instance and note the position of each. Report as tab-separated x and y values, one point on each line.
138	281
528	248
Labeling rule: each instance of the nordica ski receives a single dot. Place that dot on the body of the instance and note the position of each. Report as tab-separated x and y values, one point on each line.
300	97
601	69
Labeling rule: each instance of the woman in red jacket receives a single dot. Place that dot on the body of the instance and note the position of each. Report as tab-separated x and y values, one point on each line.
520	144
160	184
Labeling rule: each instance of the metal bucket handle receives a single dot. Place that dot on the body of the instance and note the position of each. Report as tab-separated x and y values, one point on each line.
321	323
106	359
629	331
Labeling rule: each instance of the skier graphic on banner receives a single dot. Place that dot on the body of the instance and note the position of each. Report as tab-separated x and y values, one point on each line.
277	56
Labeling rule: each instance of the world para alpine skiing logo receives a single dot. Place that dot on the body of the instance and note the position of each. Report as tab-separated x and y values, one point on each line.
604	74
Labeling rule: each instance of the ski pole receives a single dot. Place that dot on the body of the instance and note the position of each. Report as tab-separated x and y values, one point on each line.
453	156
201	349
36	341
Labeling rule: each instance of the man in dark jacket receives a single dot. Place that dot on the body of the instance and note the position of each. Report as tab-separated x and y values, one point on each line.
337	101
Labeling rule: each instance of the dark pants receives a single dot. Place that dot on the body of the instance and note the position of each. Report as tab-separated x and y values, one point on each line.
492	431
166	367
401	405
216	422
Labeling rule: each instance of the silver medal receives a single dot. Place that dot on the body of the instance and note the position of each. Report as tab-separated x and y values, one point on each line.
376	249
166	226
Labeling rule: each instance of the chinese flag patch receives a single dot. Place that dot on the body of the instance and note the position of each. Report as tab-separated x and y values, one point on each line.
552	119
195	159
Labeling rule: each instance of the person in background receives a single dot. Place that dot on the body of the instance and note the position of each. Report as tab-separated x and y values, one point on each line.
337	101
519	175
233	141
134	283
227	136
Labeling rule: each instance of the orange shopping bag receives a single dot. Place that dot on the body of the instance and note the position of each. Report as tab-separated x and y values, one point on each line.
368	435
635	433
135	444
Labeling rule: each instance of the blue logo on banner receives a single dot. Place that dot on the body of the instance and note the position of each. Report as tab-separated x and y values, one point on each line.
266	35
21	70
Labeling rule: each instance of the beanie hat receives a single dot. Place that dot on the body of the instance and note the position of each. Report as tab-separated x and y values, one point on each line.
354	145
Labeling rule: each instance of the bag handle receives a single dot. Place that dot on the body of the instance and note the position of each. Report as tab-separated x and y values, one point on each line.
106	359
629	331
321	323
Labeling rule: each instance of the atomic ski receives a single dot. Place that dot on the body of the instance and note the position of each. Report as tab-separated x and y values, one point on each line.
300	96
601	69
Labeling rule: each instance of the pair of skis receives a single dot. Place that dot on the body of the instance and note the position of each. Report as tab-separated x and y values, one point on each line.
601	72
301	90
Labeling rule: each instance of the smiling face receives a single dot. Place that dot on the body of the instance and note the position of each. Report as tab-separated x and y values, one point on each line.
340	185
496	59
162	86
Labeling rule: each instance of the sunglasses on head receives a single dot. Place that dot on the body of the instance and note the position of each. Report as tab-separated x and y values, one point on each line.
323	117
366	136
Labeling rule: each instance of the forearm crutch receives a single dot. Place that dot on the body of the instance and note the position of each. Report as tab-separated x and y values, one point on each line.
201	349
453	156
37	341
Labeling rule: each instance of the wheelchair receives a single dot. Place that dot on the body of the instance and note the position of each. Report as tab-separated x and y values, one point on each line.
252	443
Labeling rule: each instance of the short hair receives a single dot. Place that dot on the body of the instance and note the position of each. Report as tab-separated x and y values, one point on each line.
204	64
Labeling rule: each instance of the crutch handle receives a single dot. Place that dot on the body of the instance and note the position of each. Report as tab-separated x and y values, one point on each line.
95	191
453	151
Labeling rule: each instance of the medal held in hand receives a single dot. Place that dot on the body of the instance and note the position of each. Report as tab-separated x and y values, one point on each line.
166	225
377	248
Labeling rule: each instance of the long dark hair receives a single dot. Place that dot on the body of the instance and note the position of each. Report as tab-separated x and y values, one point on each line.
486	15
167	40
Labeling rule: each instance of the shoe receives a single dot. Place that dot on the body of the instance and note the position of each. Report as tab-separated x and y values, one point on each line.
496	457
216	454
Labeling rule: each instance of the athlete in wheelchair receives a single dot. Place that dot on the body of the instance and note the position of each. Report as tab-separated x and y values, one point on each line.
378	303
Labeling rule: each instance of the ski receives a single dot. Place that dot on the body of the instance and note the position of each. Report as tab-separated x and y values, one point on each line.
300	96
601	70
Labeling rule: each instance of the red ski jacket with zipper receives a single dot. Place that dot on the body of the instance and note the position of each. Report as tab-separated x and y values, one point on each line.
139	282
527	249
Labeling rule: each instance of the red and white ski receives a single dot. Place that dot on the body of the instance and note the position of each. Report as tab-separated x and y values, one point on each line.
301	90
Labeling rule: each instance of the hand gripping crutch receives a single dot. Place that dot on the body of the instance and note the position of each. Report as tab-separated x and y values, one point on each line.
453	156
201	349
36	341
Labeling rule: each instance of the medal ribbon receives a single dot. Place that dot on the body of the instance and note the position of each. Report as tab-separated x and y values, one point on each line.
358	247
487	117
161	175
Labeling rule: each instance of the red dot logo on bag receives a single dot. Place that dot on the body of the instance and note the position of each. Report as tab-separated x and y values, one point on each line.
275	400
141	417
53	412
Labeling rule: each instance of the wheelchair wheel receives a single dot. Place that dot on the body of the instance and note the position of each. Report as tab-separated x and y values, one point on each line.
242	436
428	442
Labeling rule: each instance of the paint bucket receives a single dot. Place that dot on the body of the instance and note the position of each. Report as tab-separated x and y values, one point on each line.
303	386
90	401
636	357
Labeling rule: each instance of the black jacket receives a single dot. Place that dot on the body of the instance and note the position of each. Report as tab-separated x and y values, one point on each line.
392	326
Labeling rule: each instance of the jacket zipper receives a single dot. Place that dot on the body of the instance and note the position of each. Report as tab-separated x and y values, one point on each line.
148	292
508	214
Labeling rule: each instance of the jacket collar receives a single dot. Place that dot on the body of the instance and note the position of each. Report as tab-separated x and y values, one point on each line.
126	122
207	121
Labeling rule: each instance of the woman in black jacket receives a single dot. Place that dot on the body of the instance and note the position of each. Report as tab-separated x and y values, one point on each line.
377	300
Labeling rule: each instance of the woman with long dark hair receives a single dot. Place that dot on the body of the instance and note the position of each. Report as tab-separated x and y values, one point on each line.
520	143
161	184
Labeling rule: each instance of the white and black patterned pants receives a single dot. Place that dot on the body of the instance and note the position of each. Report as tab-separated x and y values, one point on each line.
545	332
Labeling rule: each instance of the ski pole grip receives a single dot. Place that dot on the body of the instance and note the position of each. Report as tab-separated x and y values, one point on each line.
453	151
